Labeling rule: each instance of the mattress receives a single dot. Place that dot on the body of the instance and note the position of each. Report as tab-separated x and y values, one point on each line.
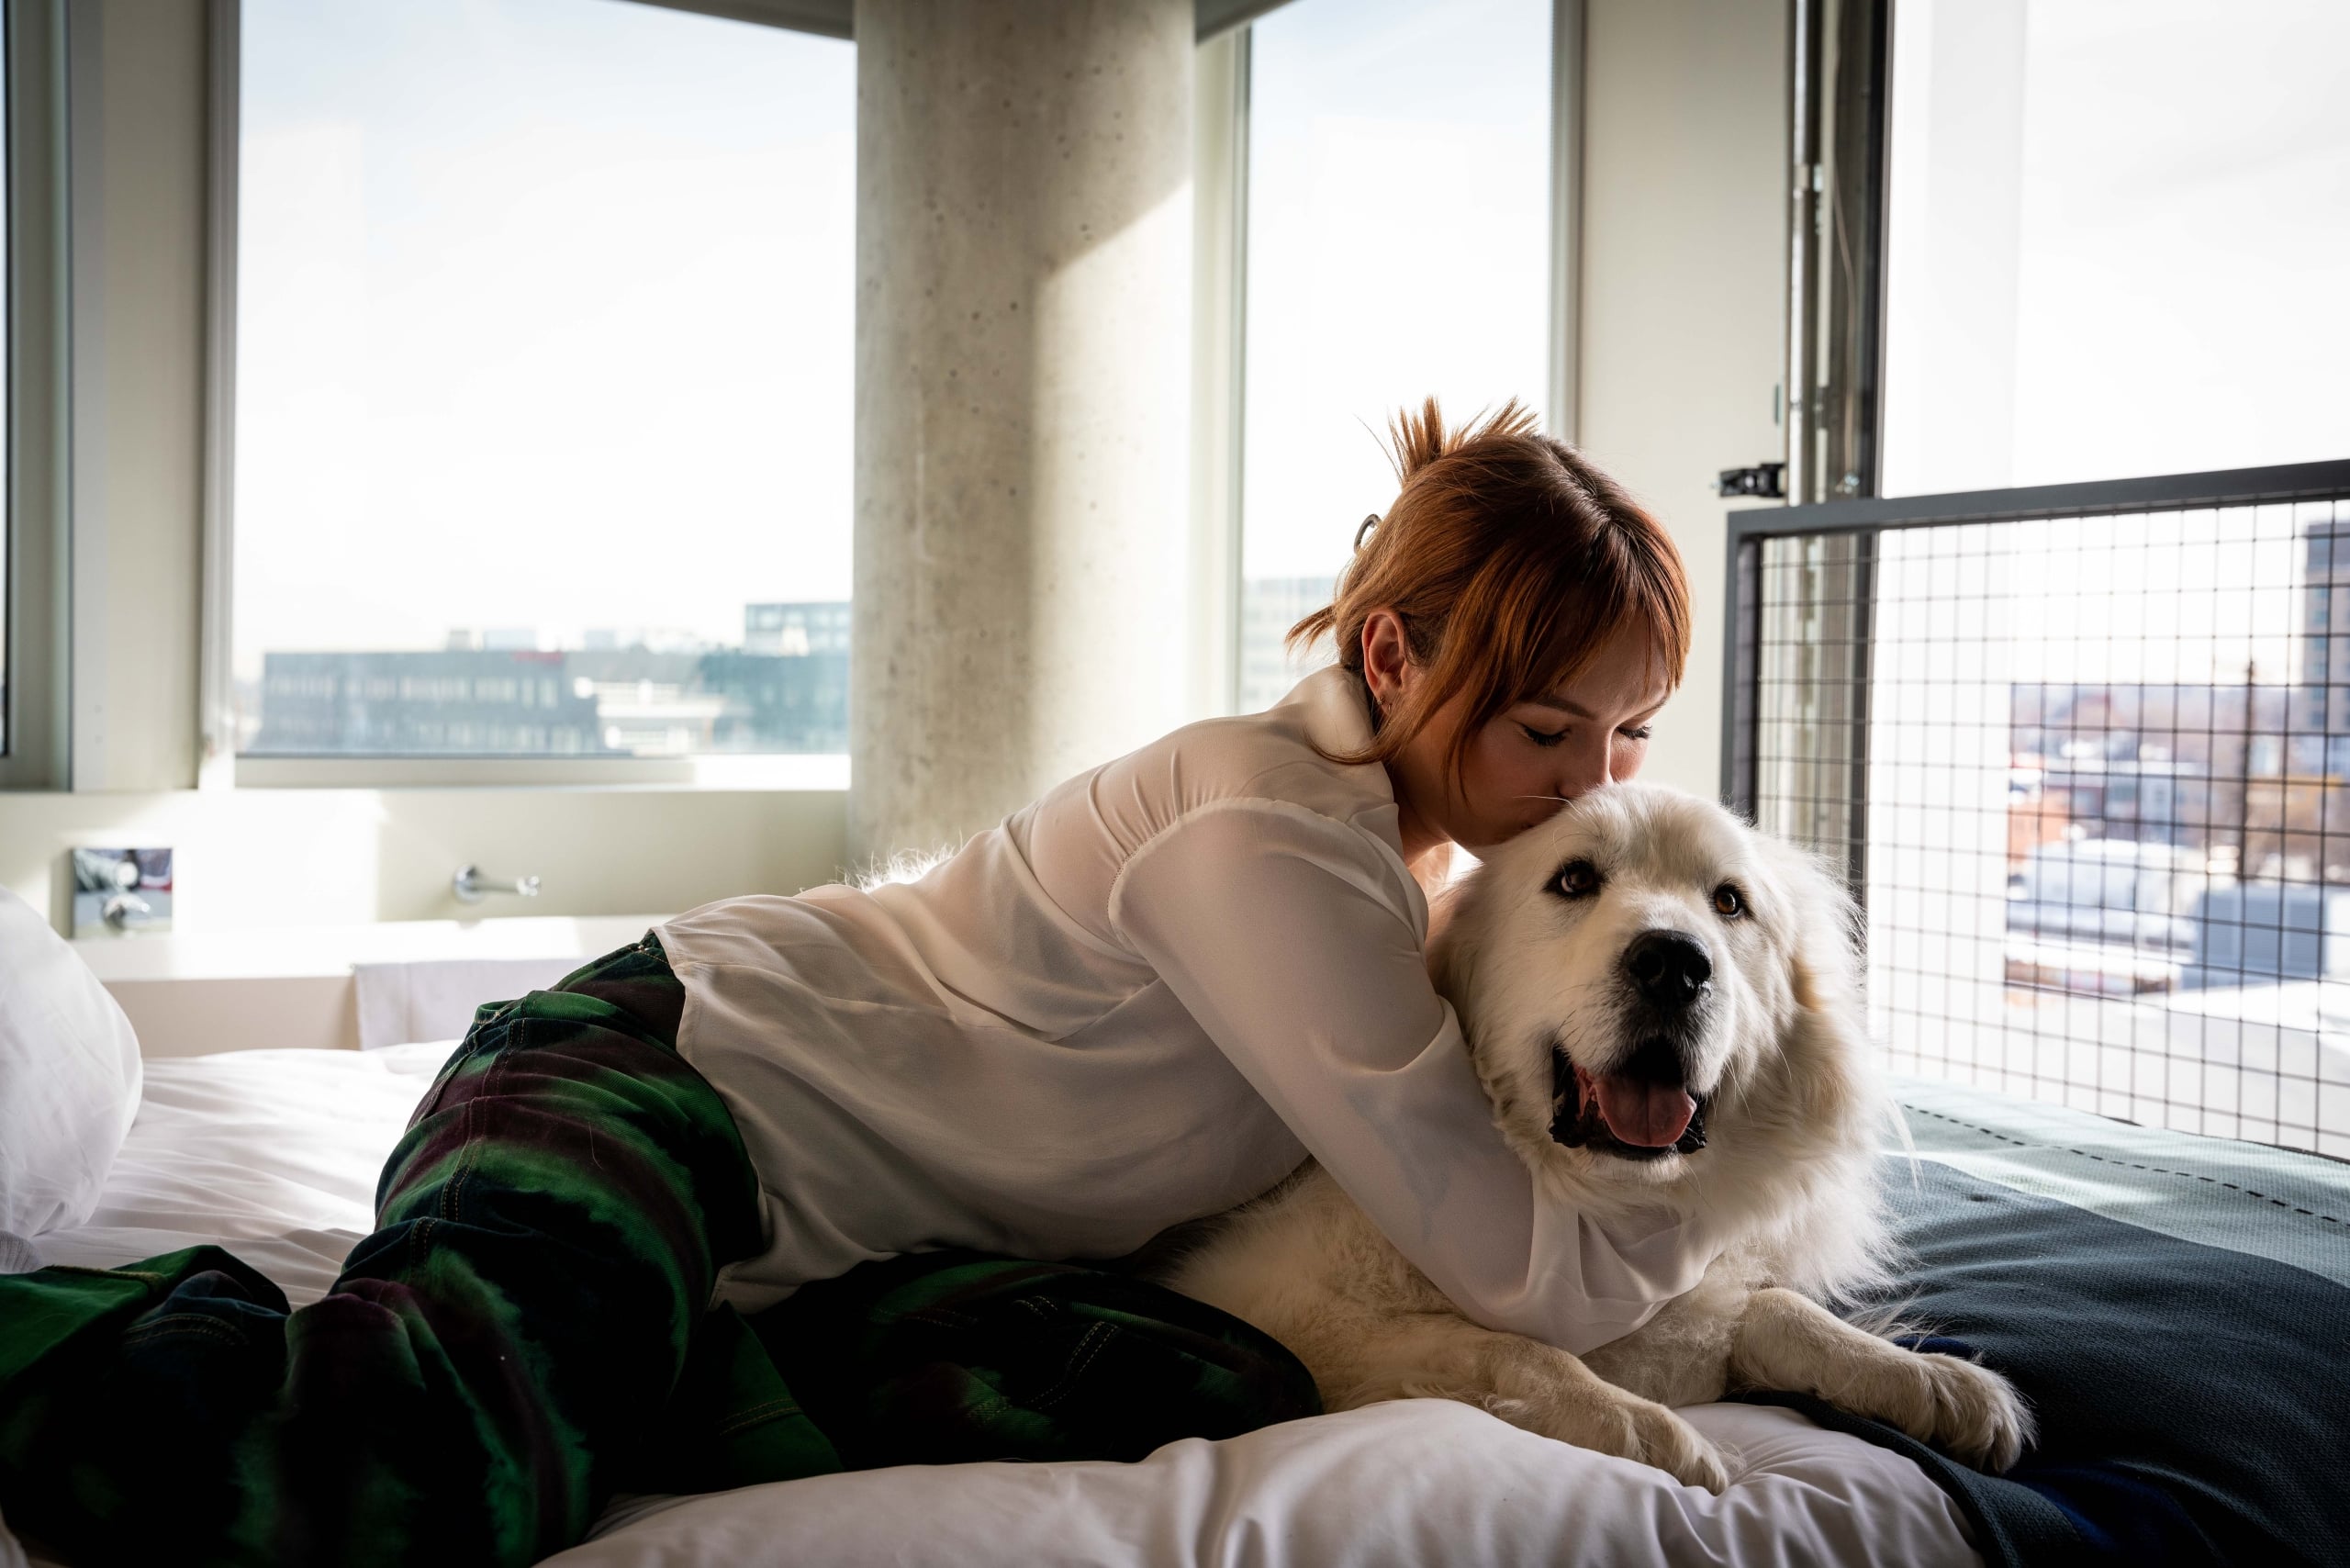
274	1155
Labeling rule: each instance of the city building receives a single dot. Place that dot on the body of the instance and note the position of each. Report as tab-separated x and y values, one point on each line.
2325	632
436	702
1269	607
794	630
785	690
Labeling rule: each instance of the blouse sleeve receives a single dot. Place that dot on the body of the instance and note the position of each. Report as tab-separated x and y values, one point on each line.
1290	936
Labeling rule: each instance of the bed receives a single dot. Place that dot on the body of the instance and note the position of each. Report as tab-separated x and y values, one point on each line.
275	1154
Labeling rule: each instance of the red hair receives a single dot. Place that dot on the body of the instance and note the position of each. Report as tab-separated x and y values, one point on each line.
1510	560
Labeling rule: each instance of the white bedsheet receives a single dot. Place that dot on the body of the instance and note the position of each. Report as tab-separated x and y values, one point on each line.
271	1154
275	1154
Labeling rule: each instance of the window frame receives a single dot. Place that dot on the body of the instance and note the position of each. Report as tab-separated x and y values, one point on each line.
1838	63
37	519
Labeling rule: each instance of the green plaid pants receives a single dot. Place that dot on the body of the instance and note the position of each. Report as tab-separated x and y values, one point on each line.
528	1332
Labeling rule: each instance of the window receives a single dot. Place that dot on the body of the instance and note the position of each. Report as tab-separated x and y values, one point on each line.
1398	239
543	359
2117	240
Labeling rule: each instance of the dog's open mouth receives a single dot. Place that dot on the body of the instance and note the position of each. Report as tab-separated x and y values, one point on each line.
1636	1118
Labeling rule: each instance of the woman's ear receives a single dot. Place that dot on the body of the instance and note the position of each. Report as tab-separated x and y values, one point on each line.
1387	667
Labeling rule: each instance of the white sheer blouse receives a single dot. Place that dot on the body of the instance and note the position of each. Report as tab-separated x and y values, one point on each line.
1143	999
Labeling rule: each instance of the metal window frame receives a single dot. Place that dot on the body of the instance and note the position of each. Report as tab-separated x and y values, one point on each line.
38	750
829	18
216	686
1568	24
1840	76
837	18
1864	520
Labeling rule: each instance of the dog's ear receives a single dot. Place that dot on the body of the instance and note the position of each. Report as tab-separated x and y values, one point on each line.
1828	1038
1827	932
1832	1073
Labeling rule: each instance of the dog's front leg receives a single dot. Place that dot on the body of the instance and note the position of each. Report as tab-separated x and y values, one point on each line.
1526	1383
1789	1341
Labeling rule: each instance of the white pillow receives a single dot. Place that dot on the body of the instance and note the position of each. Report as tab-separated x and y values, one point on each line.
69	1077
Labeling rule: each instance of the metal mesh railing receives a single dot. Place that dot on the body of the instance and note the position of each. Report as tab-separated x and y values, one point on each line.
2084	753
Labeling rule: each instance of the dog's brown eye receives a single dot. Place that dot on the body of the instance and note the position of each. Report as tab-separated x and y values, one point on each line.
1578	879
1728	902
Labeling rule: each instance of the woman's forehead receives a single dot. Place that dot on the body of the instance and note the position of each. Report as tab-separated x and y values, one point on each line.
1610	687
1622	676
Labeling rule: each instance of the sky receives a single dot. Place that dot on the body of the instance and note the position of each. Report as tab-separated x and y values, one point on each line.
2185	598
544	321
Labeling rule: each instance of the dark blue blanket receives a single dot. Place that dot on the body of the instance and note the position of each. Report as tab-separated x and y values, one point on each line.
2178	1310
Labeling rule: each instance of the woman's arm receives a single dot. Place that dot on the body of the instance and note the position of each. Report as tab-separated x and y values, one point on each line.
1288	936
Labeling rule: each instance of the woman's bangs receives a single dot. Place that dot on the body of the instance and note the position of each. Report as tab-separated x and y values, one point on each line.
1589	615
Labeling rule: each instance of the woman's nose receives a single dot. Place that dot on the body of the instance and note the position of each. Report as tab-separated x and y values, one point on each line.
1588	769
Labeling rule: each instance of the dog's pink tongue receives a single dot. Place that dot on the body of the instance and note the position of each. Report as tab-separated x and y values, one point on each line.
1647	1116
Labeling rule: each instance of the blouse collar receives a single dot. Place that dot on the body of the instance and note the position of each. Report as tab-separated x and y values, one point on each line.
1338	713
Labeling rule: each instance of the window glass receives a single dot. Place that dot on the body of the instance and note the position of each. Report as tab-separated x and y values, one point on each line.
544	363
2119	240
1398	246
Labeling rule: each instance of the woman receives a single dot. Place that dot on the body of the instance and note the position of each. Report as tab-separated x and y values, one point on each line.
1141	1000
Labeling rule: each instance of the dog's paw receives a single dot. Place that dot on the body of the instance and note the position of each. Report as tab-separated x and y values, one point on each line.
1628	1427
1672	1444
1972	1413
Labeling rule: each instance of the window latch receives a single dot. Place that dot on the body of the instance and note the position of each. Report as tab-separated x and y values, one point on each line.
1766	479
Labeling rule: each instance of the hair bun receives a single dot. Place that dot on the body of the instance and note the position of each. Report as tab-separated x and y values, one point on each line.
1415	439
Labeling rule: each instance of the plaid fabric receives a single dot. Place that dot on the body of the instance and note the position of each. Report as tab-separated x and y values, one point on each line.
941	1357
527	1333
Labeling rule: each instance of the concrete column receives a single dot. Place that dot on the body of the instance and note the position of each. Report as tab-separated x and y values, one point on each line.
1023	338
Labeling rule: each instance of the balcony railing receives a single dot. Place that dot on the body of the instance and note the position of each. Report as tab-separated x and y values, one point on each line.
2083	754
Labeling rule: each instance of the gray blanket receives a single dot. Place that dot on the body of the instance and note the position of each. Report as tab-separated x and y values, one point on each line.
2176	1308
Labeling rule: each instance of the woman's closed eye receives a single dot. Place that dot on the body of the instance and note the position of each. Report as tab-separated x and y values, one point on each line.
1553	738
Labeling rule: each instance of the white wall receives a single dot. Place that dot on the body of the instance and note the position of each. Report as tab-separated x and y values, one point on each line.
1684	290
259	859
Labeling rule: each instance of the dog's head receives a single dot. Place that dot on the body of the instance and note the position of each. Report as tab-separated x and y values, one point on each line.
1664	1005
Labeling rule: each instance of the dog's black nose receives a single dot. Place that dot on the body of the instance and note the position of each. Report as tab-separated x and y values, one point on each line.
1670	968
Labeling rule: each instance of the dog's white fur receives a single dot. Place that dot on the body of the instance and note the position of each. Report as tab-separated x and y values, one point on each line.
1777	1053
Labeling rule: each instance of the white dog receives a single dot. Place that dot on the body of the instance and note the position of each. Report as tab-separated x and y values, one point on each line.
1664	1007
